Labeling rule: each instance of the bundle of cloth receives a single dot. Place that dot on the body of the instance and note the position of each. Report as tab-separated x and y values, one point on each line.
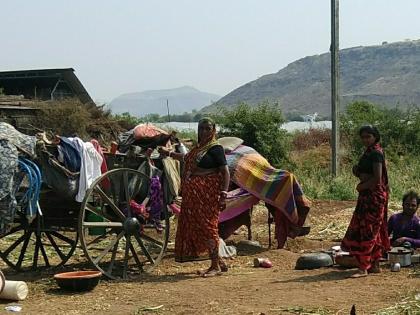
11	143
145	136
278	188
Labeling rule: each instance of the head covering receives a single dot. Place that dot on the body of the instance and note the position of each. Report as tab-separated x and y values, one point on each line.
212	136
200	149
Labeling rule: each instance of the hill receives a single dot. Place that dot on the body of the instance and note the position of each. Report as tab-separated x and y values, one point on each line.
387	74
183	99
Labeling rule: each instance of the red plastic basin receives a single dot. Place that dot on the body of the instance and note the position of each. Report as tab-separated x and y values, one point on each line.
78	280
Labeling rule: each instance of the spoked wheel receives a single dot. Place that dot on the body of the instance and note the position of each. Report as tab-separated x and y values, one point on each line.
117	233
30	247
33	245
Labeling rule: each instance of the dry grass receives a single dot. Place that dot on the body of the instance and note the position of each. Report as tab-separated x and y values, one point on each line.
409	305
70	117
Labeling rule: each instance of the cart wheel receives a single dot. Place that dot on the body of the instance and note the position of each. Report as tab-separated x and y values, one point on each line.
28	245
118	240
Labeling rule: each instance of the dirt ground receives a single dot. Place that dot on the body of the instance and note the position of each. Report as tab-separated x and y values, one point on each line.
175	289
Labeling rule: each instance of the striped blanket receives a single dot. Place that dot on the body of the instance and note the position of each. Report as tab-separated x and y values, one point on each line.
252	172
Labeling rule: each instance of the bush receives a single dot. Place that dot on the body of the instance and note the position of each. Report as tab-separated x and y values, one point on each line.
400	130
127	121
259	127
312	138
403	175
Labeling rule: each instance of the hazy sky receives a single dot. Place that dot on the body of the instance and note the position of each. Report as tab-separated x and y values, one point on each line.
128	46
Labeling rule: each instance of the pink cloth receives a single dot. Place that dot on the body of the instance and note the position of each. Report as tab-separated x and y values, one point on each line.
104	166
237	202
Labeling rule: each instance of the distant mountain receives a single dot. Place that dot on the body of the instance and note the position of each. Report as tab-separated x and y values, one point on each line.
387	74
183	99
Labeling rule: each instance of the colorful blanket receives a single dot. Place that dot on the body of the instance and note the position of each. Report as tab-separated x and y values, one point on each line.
252	172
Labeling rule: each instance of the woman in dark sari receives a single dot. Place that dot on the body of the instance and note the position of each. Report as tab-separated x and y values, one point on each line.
367	236
205	182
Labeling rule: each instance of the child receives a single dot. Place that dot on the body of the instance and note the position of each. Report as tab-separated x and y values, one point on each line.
405	226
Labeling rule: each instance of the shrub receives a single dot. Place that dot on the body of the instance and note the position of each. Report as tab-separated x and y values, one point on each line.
307	139
127	121
259	127
400	130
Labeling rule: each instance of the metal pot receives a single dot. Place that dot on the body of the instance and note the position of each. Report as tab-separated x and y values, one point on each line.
400	255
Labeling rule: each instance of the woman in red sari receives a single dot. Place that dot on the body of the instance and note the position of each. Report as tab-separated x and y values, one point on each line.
205	182
367	236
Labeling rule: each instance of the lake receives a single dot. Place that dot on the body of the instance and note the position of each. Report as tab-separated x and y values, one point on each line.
289	126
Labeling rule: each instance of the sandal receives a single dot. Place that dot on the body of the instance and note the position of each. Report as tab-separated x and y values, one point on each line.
202	272
212	273
359	274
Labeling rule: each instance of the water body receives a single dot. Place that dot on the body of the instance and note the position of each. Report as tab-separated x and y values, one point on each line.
289	126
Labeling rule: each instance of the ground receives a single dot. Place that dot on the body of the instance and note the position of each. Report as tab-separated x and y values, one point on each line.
175	289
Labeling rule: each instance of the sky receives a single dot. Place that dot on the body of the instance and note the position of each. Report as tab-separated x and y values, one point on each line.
215	46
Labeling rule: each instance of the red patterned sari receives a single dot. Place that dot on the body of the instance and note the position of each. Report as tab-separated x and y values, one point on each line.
197	232
367	236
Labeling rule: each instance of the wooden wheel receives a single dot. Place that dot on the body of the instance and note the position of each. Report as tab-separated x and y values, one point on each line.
119	240
34	244
28	246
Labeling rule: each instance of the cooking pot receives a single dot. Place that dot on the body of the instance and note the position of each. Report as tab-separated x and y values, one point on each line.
400	255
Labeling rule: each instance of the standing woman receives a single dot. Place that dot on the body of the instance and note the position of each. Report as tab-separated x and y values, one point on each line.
367	237
205	182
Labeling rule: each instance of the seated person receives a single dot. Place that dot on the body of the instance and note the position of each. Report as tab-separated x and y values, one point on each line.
405	226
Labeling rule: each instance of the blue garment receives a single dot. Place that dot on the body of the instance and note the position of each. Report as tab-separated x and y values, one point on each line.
71	154
410	229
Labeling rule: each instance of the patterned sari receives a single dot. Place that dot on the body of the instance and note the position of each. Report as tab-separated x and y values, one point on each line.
197	232
367	236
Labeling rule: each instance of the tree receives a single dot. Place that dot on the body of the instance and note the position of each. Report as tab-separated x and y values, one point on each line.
127	121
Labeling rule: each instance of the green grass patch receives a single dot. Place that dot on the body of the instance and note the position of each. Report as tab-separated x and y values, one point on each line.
319	184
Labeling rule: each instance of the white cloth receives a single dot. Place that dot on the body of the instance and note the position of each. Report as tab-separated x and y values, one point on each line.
90	168
226	251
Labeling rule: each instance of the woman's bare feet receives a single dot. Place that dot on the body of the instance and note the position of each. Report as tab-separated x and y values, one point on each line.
360	274
223	266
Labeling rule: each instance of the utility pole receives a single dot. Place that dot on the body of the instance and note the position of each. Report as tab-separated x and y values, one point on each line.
335	95
167	107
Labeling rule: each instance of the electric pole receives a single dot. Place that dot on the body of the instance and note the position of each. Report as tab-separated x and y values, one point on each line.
335	95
